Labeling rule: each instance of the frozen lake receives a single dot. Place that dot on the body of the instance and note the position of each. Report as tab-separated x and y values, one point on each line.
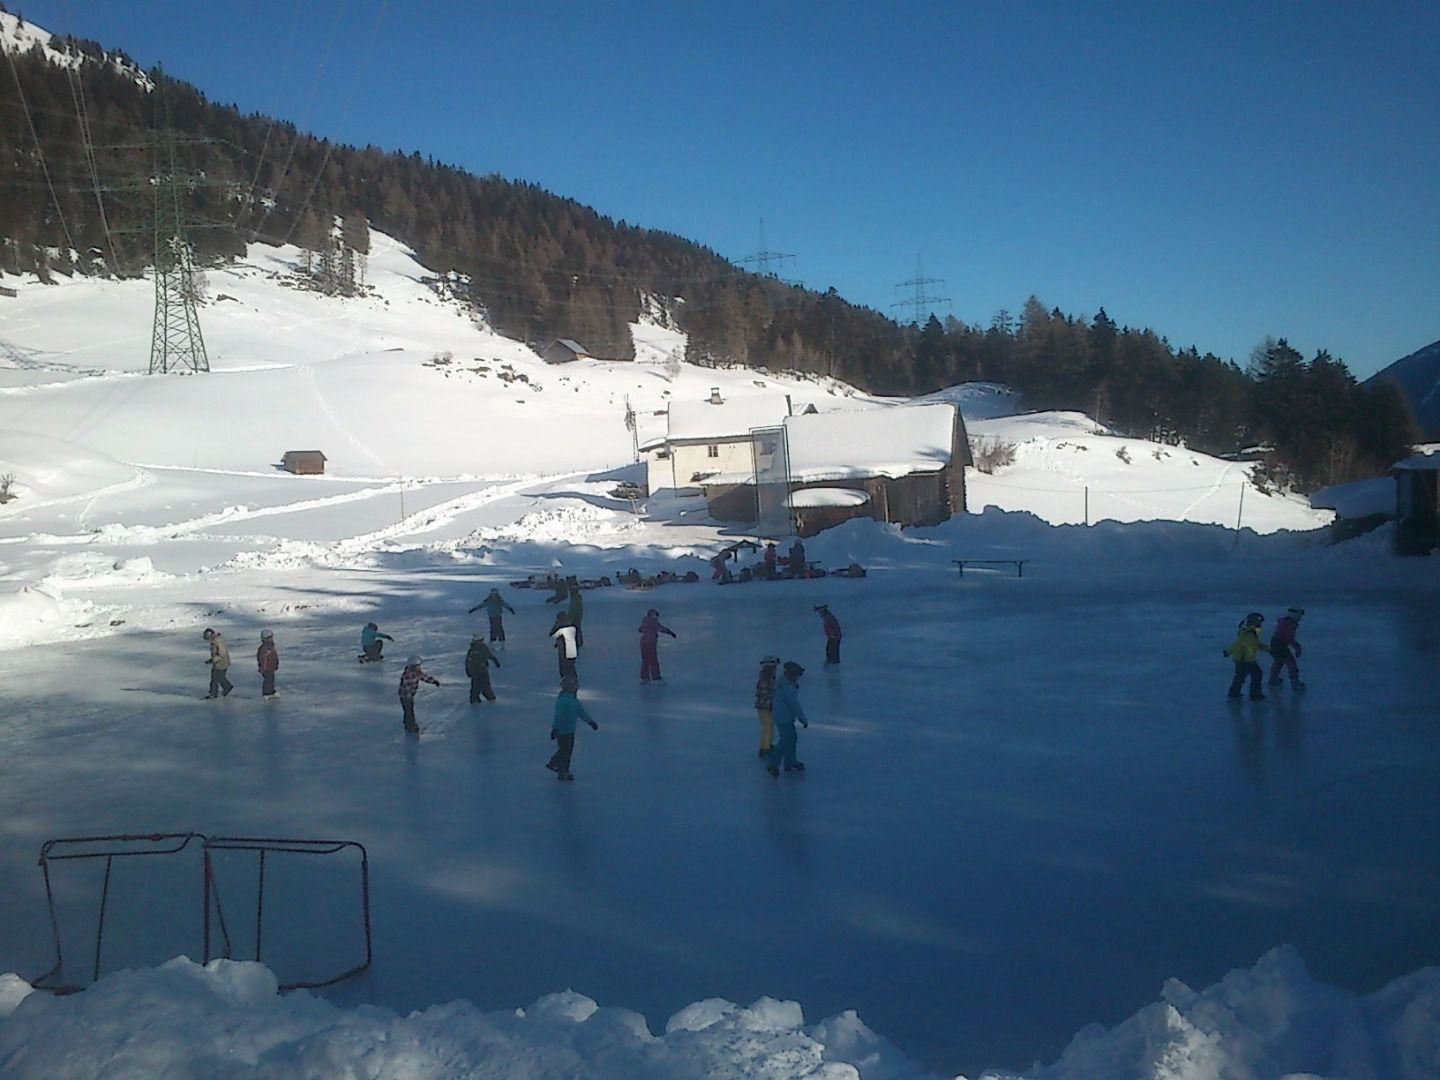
1028	802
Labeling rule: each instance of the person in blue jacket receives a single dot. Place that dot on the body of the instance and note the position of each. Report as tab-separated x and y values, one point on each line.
372	643
787	709
567	711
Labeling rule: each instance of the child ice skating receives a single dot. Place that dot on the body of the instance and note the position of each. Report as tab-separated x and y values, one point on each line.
1243	650
477	668
267	659
1285	648
650	630
567	711
410	681
494	605
765	702
787	711
831	625
372	643
567	645
219	662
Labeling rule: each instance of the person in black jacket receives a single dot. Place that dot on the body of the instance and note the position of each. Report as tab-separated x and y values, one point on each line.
477	667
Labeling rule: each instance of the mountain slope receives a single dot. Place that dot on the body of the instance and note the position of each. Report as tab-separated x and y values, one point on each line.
1418	376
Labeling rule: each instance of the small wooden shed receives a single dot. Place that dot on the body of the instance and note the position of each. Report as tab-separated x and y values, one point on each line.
303	462
565	351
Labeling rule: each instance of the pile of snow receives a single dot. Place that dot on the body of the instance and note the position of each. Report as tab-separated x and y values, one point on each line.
95	570
227	1019
977	400
1360	498
34	615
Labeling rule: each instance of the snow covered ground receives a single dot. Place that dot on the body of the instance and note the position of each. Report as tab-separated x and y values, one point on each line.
1027	807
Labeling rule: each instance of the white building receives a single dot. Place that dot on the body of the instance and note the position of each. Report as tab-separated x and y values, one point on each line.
708	438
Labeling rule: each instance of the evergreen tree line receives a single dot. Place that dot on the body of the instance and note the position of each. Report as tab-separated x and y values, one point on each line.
541	266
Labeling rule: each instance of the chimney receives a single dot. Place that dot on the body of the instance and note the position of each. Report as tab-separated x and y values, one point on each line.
715	398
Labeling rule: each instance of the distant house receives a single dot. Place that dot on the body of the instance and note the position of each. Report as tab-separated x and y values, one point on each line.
565	351
1417	501
902	464
709	438
303	462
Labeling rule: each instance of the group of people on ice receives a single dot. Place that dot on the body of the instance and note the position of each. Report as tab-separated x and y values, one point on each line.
1284	649
777	700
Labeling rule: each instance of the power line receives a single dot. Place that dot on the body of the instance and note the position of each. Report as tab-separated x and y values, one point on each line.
30	122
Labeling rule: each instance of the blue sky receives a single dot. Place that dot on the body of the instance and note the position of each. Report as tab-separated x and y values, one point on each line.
1218	171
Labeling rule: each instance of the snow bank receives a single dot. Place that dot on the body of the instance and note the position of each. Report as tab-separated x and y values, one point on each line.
227	1019
34	616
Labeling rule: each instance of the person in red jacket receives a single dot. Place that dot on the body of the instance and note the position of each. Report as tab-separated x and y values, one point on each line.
267	659
831	625
1285	648
650	630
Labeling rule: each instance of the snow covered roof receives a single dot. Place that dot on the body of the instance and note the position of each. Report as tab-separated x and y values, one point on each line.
699	421
573	346
1361	498
1425	459
891	441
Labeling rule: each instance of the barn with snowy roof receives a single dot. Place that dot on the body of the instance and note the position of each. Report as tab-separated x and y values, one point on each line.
900	464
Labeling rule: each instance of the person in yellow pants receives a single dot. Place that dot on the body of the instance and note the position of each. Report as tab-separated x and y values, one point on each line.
765	702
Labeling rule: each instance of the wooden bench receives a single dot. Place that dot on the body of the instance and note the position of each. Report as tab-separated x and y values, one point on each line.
1019	564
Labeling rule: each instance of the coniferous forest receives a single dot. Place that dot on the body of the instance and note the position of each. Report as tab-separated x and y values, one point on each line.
80	144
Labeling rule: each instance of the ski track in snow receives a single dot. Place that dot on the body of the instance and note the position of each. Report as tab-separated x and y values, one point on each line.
307	372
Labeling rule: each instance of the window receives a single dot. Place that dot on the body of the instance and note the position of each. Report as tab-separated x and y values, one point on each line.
712	451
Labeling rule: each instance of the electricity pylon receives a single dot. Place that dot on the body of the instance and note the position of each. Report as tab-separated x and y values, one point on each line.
923	303
175	343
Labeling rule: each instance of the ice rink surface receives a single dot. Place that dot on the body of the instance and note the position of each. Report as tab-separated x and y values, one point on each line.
1028	802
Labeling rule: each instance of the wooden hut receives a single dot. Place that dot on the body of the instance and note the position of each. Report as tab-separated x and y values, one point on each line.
1417	501
303	462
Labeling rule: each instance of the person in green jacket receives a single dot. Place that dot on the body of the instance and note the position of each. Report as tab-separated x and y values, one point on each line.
567	711
1243	650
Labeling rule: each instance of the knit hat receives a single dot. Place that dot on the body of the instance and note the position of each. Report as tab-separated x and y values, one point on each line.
769	661
267	635
208	634
793	669
412	661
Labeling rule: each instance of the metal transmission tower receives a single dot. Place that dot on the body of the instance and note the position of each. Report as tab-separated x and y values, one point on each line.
922	302
763	258
175	344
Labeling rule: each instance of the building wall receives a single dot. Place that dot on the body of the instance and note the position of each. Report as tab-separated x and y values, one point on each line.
687	459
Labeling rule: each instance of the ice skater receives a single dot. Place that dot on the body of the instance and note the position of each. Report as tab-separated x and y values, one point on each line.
765	702
650	630
372	643
267	659
831	625
494	605
477	667
1243	650
1285	648
567	646
410	680
787	710
219	662
796	565
567	711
